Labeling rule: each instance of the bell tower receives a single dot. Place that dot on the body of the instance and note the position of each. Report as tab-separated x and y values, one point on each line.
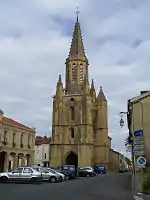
79	127
76	62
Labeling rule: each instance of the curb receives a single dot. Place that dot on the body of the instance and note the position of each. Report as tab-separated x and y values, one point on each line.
138	197
141	196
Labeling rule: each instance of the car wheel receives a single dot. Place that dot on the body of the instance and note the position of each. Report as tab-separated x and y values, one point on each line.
67	178
52	179
33	180
3	179
61	179
88	175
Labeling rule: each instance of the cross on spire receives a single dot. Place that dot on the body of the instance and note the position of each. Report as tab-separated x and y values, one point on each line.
77	12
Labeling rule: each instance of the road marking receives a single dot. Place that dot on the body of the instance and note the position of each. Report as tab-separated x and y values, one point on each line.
138	198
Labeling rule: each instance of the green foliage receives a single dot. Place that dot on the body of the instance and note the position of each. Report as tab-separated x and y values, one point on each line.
146	185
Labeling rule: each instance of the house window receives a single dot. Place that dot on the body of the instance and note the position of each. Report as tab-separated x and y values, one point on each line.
45	156
5	134
21	141
29	141
72	132
14	137
5	138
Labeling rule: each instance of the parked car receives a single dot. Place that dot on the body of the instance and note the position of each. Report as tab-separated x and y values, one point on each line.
21	174
56	171
100	169
122	170
89	169
69	171
85	173
48	175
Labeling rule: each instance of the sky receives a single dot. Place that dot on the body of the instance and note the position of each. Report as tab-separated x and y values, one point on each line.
35	38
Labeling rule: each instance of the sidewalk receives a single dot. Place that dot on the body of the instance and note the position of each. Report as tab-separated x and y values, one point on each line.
138	195
142	197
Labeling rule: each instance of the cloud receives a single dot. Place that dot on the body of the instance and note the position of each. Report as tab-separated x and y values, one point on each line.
35	38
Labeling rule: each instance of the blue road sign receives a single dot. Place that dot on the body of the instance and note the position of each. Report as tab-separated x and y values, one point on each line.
141	161
138	133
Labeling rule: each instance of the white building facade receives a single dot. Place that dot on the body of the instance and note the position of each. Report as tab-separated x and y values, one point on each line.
42	149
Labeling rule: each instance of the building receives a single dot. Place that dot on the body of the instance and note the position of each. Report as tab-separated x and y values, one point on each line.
42	150
140	119
80	122
16	144
114	160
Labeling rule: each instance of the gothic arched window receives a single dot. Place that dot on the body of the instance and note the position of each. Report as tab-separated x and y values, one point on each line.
72	113
72	132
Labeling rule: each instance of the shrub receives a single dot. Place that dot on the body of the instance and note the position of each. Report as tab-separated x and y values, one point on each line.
146	185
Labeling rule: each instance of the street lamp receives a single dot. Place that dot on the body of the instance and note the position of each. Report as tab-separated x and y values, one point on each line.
121	116
121	122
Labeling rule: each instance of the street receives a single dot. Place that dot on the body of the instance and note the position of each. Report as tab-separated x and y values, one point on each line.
105	187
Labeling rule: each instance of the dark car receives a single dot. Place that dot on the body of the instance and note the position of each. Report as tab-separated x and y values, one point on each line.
69	171
84	173
122	170
100	169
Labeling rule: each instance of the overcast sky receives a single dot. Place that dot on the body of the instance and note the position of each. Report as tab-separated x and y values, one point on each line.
35	37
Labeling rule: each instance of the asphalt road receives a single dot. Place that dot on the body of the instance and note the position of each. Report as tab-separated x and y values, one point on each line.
102	187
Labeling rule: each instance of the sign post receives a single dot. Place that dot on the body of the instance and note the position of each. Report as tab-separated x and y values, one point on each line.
138	143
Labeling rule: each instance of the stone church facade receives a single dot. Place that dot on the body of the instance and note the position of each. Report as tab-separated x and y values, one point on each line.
80	121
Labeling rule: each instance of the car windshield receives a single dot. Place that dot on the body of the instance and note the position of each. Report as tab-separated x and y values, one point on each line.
87	168
37	169
51	170
68	167
102	168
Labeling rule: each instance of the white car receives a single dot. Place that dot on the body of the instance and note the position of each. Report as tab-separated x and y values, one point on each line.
57	172
88	169
21	174
48	175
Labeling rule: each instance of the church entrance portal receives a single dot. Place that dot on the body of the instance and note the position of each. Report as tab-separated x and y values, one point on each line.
72	159
2	160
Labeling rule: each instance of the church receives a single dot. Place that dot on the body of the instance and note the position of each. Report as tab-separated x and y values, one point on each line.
80	121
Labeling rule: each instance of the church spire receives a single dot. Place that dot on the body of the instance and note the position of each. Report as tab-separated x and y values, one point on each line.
77	47
101	96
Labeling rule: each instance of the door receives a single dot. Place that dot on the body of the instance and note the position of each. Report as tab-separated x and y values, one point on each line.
15	175
45	174
26	174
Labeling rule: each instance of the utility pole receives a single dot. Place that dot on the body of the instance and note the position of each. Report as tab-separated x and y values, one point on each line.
130	138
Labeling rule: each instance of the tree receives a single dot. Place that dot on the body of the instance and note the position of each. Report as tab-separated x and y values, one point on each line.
128	141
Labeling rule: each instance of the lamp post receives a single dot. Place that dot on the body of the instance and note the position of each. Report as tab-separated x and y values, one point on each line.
121	116
130	138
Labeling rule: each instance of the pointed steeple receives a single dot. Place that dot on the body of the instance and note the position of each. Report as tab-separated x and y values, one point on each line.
59	79
92	85
77	47
92	90
101	96
59	88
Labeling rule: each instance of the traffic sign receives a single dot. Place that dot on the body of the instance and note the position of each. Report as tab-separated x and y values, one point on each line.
138	133
141	161
138	141
139	153
139	147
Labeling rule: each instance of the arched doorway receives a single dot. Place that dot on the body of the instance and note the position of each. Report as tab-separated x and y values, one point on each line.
72	159
28	160
2	160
